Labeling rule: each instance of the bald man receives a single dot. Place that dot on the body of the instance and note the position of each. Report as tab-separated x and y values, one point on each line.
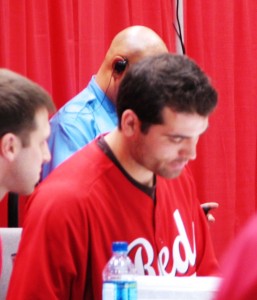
92	111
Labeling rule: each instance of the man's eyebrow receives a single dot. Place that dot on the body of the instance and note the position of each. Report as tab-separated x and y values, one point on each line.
178	135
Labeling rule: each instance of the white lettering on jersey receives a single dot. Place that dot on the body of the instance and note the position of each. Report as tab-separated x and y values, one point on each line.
179	265
138	261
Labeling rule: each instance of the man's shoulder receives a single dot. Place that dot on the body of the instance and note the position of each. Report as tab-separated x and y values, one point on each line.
85	160
77	109
77	175
80	102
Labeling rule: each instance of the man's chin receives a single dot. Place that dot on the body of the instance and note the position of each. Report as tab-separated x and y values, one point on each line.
30	190
173	174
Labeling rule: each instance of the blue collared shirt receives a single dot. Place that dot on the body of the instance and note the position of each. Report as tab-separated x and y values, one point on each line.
78	122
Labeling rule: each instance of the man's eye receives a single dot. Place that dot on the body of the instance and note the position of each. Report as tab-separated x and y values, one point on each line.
176	139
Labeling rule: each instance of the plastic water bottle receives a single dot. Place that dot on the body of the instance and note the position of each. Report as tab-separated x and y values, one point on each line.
119	281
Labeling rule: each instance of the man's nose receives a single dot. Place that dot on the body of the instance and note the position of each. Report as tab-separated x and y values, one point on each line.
46	154
189	149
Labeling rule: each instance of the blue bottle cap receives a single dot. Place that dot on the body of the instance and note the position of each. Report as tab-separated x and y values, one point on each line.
119	246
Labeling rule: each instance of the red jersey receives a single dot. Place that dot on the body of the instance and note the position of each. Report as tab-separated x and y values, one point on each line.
86	204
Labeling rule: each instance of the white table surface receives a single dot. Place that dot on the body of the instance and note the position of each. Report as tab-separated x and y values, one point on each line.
176	288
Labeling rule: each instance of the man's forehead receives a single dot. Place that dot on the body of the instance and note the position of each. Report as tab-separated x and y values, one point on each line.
191	122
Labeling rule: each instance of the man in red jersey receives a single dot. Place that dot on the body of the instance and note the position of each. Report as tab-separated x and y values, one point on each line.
131	184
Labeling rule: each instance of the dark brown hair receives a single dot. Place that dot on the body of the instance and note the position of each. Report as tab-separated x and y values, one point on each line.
20	99
166	80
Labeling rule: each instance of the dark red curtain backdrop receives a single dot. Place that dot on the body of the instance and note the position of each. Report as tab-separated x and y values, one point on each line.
222	37
61	43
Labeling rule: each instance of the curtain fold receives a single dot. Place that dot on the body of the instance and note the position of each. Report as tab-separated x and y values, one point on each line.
221	37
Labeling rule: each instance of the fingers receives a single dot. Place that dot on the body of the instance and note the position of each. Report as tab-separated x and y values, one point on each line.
207	206
210	204
210	218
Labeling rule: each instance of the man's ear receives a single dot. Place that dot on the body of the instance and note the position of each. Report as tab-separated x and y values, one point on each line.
9	146
130	123
119	65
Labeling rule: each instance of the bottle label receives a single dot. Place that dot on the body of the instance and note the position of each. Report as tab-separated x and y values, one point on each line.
120	290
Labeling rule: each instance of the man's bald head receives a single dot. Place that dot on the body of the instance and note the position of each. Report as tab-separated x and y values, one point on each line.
131	44
135	43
